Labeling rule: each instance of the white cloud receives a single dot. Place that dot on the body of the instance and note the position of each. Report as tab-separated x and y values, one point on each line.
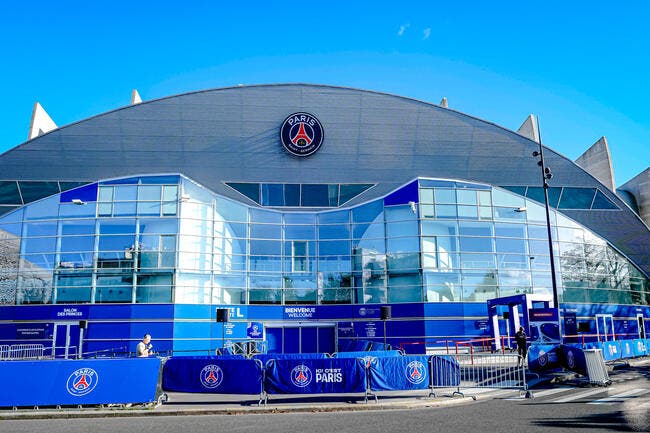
426	33
402	29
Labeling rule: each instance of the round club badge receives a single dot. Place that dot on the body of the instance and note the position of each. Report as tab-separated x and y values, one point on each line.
211	376
301	376
416	372
301	134
82	381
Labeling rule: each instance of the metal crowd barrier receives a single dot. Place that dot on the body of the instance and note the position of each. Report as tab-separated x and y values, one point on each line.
478	370
22	351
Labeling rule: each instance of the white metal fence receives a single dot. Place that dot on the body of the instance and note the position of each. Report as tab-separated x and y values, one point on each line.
465	372
22	351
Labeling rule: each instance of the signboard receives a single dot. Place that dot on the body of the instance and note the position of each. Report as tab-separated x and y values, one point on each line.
544	326
255	330
72	313
571	326
299	313
32	331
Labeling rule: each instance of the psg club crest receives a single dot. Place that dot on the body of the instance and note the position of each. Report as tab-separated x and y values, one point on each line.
416	372
211	376
301	134
82	381
301	376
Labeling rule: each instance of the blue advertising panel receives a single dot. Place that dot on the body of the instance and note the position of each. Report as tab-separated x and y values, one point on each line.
255	330
399	373
78	382
544	327
211	374
573	358
627	349
315	376
371	353
264	358
611	350
543	357
570	326
639	347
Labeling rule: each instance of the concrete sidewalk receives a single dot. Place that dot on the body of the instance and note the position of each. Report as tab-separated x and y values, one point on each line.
182	404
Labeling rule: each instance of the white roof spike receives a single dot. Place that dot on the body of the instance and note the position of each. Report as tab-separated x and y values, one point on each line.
529	129
444	103
41	122
135	97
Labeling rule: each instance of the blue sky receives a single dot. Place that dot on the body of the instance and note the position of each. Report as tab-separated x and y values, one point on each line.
582	66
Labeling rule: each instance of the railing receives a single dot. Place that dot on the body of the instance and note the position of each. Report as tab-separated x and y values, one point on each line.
479	370
22	351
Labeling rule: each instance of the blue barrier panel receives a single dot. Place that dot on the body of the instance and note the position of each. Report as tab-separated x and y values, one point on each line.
211	374
354	345
611	350
445	371
267	357
78	382
639	347
403	373
315	376
627	349
573	358
543	357
373	354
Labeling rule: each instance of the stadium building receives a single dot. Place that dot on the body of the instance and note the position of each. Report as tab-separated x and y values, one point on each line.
303	210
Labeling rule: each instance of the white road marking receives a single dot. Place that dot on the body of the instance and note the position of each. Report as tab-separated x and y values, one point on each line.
618	398
583	395
543	393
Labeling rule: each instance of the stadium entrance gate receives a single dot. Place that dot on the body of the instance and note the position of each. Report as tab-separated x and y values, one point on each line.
301	338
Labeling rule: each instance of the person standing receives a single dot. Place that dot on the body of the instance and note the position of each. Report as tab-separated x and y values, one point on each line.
521	338
144	348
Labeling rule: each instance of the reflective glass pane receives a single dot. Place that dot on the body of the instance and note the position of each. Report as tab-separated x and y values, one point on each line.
576	198
73	289
445	211
466	196
122	193
114	289
273	194
426	195
445	196
32	191
9	193
149	193
336	217
506	199
315	195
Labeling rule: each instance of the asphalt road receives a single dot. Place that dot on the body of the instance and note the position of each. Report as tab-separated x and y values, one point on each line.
624	406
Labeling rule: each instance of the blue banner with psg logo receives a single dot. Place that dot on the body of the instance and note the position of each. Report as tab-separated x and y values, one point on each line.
212	374
399	373
573	358
315	376
78	382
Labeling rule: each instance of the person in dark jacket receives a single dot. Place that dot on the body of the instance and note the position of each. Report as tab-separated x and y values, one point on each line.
520	337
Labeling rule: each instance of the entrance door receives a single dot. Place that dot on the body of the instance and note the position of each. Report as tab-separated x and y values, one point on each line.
65	340
301	338
605	327
641	321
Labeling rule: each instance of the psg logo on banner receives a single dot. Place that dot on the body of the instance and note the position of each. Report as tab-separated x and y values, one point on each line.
82	381
301	376
301	134
416	372
211	376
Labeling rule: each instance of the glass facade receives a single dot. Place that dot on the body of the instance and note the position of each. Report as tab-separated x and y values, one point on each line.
164	239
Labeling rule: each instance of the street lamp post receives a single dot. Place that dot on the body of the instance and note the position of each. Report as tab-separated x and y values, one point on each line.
546	176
